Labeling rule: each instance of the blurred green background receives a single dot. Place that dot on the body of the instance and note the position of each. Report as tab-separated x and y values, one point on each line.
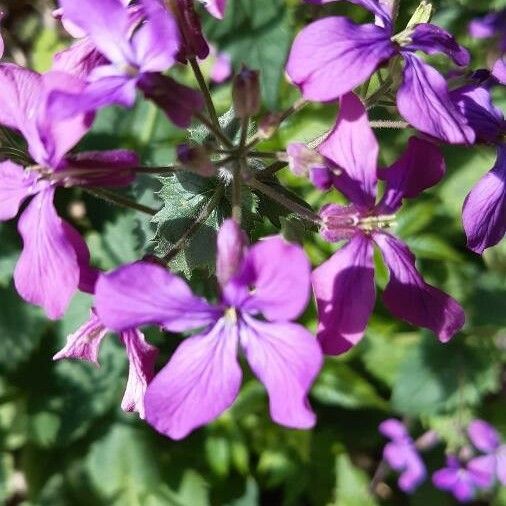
63	437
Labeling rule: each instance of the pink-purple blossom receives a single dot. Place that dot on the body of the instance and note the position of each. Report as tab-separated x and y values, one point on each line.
55	259
344	285
202	378
332	56
84	344
484	212
402	456
137	45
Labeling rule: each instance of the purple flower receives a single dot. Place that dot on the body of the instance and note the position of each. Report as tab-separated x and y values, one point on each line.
402	455
332	56
486	439
491	25
484	212
459	479
55	259
202	379
84	344
137	47
344	285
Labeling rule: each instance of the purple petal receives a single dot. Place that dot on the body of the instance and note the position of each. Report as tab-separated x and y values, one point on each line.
286	358
395	455
482	470
108	87
79	59
432	39
58	136
394	429
488	26
216	7
102	168
352	146
143	293
156	42
141	370
21	94
106	22
332	56
463	489
446	478
414	473
47	273
274	280
84	343
410	298
499	70
231	249
222	68
179	102
475	103
423	100
16	184
421	166
484	212
345	294
201	380
483	436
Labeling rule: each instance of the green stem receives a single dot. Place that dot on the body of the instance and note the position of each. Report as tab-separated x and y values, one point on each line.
217	131
119	200
236	192
272	169
202	217
293	206
388	124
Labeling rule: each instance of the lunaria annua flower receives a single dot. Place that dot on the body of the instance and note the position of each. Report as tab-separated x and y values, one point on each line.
202	378
332	56
344	285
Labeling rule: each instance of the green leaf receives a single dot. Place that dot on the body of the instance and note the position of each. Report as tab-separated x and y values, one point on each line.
339	385
436	378
256	33
185	198
351	484
21	329
118	244
122	466
218	454
433	247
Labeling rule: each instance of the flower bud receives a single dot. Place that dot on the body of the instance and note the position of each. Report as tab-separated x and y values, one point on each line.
246	93
231	245
193	43
268	125
302	160
196	158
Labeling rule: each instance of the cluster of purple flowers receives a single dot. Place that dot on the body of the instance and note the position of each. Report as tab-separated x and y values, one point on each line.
124	47
475	469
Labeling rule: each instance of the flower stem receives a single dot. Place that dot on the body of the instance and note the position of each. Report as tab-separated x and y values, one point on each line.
119	200
217	131
293	206
388	124
236	192
201	218
214	121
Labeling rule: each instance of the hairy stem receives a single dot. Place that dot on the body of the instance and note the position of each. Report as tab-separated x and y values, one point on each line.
236	191
293	206
388	124
119	200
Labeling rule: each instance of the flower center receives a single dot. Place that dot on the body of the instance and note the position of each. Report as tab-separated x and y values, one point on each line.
231	315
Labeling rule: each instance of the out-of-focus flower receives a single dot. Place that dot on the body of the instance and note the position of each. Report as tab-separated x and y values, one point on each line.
402	455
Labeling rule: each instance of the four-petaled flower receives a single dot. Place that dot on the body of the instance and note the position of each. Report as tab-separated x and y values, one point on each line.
344	285
263	288
332	56
54	260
